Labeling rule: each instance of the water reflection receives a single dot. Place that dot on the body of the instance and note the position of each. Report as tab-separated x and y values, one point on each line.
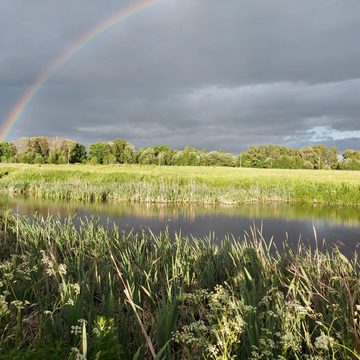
335	224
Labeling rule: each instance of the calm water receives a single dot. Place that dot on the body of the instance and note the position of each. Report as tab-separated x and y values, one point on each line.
338	225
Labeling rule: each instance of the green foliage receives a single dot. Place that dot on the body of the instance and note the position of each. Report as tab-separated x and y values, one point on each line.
147	156
41	150
99	153
38	159
219	158
351	160
61	296
320	156
61	151
129	154
7	152
74	152
109	159
118	147
281	157
36	149
29	148
188	157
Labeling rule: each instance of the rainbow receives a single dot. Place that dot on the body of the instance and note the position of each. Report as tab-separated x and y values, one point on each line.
63	58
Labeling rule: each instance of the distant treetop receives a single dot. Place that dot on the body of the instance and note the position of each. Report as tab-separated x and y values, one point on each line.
56	150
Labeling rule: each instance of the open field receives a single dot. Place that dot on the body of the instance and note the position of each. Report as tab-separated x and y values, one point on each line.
94	293
162	184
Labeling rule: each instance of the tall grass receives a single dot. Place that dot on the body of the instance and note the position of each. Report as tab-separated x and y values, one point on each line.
202	185
81	291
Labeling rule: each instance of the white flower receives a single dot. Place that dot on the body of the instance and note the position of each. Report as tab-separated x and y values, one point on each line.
76	288
70	302
324	342
62	269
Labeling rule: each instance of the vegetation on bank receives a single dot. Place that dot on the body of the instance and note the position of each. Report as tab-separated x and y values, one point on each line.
200	185
55	150
85	292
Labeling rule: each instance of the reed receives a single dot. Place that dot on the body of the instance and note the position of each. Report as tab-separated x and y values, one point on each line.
200	185
78	290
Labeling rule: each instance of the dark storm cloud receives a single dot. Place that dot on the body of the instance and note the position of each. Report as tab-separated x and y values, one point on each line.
206	73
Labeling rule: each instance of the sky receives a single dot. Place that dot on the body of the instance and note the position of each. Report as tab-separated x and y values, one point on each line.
206	73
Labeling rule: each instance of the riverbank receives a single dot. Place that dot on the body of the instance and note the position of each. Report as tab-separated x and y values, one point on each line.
95	293
198	185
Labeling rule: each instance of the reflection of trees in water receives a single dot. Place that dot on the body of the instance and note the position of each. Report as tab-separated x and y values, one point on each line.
162	212
166	213
189	213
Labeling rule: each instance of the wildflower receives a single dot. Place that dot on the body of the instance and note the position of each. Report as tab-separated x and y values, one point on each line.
70	302
4	307
76	330
291	341
62	269
324	342
48	264
213	350
76	289
20	304
77	353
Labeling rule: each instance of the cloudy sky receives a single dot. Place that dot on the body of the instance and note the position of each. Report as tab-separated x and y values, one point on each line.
207	73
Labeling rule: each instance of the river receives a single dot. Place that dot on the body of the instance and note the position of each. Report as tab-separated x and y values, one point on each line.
338	225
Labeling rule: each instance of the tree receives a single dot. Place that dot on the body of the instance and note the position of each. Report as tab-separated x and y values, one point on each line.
39	145
351	160
118	147
38	159
352	154
34	148
163	154
64	151
73	151
99	152
320	157
7	151
189	156
109	159
124	152
147	155
219	158
177	158
129	154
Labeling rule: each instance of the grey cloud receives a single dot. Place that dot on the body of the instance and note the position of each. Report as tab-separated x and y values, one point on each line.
206	73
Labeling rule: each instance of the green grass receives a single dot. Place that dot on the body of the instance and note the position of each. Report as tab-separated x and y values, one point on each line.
201	185
61	296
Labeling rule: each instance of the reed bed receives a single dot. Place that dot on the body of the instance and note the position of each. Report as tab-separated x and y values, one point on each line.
74	289
181	185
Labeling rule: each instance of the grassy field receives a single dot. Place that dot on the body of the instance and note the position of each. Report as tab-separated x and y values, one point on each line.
94	293
206	185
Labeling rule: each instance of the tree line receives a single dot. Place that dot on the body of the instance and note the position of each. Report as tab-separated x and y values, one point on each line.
56	150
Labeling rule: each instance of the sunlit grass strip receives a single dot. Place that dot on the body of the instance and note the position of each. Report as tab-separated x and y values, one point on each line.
61	296
198	185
